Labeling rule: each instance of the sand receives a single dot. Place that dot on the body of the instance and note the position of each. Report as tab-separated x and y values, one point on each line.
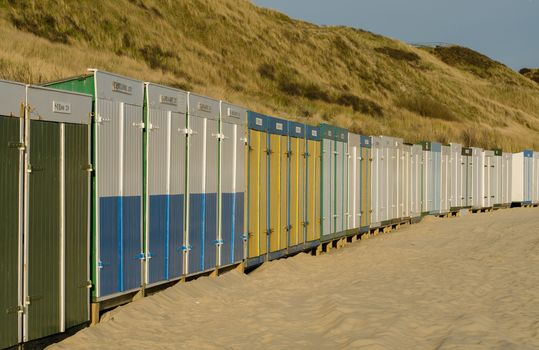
462	283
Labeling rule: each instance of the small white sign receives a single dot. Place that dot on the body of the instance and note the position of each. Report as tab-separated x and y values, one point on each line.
168	100
258	121
279	126
204	107
329	133
61	107
298	129
315	133
121	87
233	113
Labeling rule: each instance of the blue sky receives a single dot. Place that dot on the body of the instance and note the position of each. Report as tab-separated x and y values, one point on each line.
506	30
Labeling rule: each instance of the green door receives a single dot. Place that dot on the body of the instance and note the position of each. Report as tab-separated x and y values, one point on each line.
76	216
9	230
43	228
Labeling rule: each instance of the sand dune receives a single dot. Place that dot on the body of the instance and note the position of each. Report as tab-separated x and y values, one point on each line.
462	283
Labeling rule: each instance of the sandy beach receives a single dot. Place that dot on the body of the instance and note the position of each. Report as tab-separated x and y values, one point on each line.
462	283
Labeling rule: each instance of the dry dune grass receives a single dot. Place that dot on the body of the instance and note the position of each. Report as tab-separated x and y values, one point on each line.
270	63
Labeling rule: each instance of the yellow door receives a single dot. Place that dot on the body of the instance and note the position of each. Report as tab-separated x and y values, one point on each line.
283	193
275	192
257	194
294	203
365	186
301	192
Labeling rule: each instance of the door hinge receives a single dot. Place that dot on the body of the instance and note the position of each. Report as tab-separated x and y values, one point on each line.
219	136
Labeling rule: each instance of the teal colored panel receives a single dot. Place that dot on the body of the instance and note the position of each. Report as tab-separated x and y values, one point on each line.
9	233
44	230
76	229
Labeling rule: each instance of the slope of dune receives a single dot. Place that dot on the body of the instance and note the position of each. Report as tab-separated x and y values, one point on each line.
462	283
271	63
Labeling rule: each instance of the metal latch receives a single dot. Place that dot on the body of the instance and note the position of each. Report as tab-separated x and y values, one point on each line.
188	131
152	127
19	309
19	145
88	167
100	119
219	136
139	125
86	284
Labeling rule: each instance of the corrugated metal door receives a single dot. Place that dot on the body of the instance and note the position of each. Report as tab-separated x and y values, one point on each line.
311	190
365	182
275	187
416	175
166	183
258	159
43	247
535	181
10	192
445	179
76	223
284	229
338	214
327	187
232	170
119	189
132	197
354	196
203	181
312	185
302	174
375	182
296	185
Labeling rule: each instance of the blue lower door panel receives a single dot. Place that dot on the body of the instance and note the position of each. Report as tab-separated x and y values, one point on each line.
158	238
196	229
132	247
238	231
108	264
227	228
210	231
175	255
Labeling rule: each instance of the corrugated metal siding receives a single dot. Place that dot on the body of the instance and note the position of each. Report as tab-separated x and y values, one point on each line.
366	162
445	179
257	240
416	181
294	193
339	186
9	226
43	231
535	180
283	201
166	186
76	225
326	188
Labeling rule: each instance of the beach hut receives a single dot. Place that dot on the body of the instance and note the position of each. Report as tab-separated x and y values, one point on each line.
56	244
117	181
